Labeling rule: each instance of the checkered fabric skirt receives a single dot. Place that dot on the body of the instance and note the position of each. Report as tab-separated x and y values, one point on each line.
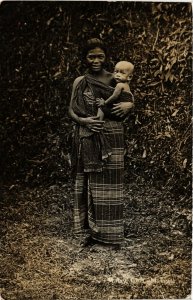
98	201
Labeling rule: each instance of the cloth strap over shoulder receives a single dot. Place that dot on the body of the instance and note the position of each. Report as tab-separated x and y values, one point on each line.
93	149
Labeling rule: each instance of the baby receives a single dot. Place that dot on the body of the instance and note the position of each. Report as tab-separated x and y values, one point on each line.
123	73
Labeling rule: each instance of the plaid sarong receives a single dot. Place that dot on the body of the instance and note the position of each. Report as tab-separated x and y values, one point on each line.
98	203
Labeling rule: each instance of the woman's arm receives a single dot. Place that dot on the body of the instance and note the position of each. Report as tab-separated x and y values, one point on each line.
91	122
70	110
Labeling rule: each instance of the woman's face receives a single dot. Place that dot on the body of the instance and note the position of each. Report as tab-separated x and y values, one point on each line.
95	59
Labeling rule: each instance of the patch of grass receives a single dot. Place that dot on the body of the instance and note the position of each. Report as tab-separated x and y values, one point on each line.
41	260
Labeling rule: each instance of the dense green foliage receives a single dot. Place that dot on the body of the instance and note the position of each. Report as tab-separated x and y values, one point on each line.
41	58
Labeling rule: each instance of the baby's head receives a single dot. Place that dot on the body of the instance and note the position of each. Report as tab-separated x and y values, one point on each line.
123	71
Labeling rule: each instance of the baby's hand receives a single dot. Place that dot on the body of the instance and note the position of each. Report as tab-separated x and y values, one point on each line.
100	102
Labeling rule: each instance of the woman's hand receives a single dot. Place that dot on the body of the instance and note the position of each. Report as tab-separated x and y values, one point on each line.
93	123
122	108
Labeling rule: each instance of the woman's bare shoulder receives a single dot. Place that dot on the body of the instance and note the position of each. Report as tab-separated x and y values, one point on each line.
108	74
77	80
107	77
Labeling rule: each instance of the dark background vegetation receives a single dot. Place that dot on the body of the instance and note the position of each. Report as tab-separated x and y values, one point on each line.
40	58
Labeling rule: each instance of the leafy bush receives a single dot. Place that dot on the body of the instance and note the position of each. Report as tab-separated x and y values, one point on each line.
41	58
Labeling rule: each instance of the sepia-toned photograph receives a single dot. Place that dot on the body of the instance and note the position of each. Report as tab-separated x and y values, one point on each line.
96	139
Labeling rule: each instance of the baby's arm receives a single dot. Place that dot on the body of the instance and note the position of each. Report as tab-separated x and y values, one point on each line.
118	89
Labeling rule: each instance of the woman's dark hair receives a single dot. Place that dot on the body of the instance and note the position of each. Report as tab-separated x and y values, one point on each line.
92	44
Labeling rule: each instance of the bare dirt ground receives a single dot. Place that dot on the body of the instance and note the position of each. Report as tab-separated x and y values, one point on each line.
41	260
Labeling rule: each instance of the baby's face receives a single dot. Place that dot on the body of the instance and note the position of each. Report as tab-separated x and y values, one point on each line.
122	72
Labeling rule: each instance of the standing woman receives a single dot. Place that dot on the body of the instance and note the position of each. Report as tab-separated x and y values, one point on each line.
98	199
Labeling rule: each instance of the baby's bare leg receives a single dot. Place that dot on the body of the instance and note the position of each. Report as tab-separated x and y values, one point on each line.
100	114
